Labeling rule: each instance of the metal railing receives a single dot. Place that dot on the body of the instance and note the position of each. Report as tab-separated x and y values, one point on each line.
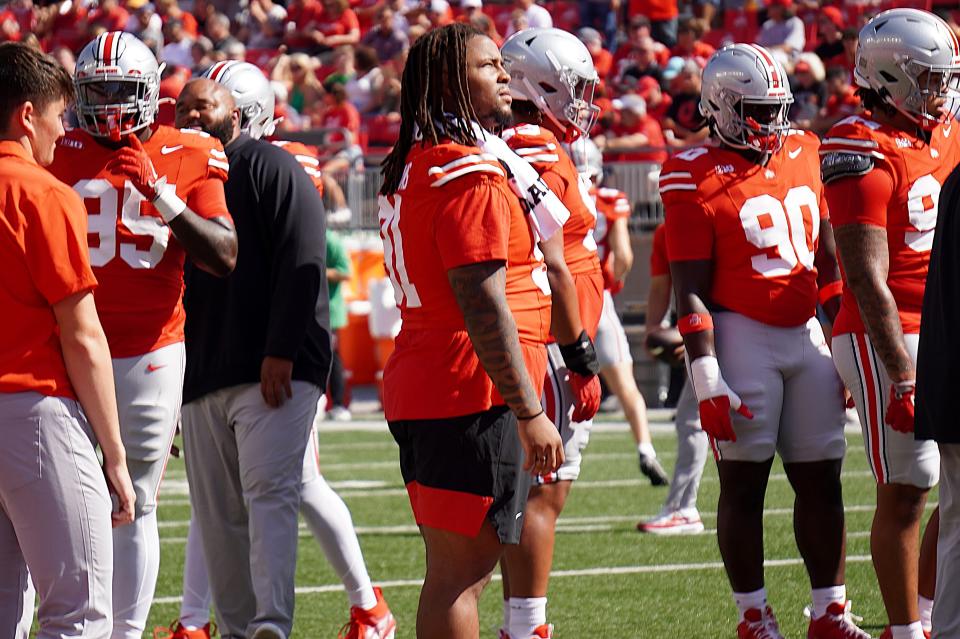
637	179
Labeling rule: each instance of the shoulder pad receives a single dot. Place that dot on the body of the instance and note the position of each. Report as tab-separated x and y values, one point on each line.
679	174
443	173
533	143
839	164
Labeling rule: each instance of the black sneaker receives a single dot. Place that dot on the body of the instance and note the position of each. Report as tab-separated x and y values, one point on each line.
651	468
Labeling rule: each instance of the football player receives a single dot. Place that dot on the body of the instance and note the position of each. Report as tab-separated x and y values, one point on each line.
325	512
153	195
751	252
535	59
616	258
475	303
884	171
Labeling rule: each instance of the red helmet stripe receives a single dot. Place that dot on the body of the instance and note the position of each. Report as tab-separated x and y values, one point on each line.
218	70
772	71
108	45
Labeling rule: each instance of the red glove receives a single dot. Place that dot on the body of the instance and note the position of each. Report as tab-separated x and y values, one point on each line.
900	408
716	399
134	163
586	392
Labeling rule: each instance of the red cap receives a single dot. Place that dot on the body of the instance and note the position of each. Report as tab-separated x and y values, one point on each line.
646	86
834	15
802	66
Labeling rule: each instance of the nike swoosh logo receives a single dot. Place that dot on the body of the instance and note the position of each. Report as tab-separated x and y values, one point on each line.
166	150
946	131
793	154
152	368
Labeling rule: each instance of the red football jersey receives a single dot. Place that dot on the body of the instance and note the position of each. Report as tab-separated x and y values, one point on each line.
307	159
134	255
758	224
612	205
454	207
899	194
541	149
659	261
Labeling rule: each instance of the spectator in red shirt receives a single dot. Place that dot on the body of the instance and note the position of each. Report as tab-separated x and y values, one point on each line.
109	16
302	18
658	102
638	31
602	59
337	25
170	10
635	136
829	34
9	27
689	45
842	100
663	18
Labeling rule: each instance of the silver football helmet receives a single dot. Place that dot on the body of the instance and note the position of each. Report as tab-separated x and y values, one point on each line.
118	85
746	96
553	69
906	56
252	92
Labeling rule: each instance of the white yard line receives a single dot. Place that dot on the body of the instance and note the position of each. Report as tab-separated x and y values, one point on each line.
557	574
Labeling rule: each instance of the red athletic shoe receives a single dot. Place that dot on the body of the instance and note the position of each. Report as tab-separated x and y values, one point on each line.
177	631
759	625
836	623
376	623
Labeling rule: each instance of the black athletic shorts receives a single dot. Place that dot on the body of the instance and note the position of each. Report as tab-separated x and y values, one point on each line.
461	470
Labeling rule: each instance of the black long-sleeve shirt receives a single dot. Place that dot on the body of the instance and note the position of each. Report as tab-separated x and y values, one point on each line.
275	301
938	356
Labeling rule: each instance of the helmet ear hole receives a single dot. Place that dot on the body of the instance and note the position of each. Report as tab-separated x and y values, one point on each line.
889	77
547	88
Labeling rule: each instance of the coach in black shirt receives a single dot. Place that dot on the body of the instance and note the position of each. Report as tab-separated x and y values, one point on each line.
258	355
938	397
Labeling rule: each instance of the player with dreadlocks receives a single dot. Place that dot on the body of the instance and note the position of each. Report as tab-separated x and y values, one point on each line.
476	310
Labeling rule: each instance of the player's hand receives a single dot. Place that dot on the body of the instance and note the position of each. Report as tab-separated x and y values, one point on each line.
716	399
586	394
134	163
900	408
276	374
542	446
119	484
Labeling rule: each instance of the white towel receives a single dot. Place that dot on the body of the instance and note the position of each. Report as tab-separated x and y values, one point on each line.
545	210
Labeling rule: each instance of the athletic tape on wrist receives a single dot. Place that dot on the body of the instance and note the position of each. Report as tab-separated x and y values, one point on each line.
695	323
169	205
829	291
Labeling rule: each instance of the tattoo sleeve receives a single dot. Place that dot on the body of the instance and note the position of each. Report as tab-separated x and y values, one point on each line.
211	244
480	291
863	251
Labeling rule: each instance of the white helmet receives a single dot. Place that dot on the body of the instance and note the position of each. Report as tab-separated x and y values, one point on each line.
251	91
118	85
896	48
553	69
587	158
745	95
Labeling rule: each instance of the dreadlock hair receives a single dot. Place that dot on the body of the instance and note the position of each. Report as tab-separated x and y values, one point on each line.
433	88
873	101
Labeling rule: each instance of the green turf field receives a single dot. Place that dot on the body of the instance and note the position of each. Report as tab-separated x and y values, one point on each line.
608	579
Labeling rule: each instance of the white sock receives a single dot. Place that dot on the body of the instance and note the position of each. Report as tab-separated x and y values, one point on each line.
823	597
136	563
646	449
750	600
525	615
330	522
926	613
197	597
912	631
506	615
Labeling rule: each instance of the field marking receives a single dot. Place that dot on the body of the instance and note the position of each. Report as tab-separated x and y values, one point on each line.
346	489
558	574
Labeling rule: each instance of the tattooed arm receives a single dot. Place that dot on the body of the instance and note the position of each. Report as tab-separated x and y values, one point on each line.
863	251
480	290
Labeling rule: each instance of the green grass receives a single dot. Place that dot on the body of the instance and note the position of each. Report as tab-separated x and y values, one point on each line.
597	532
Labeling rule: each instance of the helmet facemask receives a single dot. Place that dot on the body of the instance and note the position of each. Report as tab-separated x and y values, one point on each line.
579	113
758	124
114	105
928	82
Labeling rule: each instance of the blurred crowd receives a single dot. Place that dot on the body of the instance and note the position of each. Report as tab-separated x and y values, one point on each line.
336	64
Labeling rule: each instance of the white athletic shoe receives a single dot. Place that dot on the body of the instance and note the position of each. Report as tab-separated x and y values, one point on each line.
268	631
678	522
339	414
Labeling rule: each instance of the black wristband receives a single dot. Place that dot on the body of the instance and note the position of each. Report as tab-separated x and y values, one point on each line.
529	417
580	356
